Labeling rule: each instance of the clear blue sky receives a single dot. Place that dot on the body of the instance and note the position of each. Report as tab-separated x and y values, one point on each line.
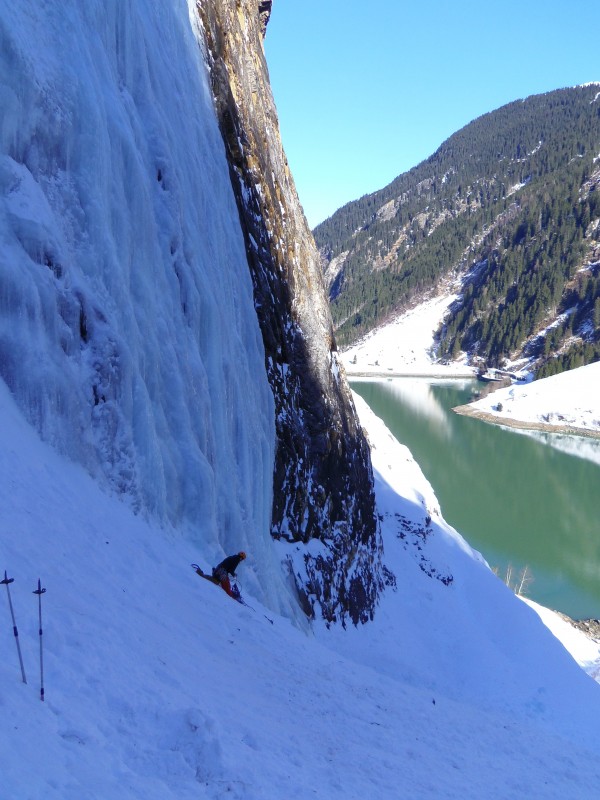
367	90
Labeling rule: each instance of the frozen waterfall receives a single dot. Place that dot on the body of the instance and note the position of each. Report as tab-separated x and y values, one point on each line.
128	334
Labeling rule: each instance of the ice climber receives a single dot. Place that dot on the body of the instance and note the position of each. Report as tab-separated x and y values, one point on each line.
226	568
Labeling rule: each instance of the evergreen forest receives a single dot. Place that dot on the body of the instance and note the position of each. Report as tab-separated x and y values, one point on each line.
506	214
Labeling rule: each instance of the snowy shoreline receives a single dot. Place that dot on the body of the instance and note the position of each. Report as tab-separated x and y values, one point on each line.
424	372
528	425
567	403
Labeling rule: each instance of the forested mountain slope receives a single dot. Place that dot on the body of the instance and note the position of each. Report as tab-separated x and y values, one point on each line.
510	207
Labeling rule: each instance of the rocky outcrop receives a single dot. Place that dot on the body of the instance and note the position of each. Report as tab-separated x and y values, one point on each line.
591	627
323	483
264	14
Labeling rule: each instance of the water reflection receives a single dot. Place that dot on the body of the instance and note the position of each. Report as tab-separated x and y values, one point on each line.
520	500
577	446
417	394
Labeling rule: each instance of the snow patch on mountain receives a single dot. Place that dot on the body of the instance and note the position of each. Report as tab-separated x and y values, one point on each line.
406	345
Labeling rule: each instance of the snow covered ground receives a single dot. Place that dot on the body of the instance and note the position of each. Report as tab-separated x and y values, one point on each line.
569	401
159	686
404	346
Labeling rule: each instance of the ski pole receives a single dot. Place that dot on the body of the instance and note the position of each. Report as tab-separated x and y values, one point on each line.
39	591
6	581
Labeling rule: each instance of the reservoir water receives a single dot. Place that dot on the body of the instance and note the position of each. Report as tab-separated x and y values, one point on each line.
522	500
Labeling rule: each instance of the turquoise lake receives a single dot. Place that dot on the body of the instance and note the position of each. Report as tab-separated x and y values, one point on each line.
522	500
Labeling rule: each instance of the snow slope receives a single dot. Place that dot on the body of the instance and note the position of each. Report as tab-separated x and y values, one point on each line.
159	686
404	346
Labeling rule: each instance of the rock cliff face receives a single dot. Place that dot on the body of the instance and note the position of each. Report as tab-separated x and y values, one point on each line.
323	484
